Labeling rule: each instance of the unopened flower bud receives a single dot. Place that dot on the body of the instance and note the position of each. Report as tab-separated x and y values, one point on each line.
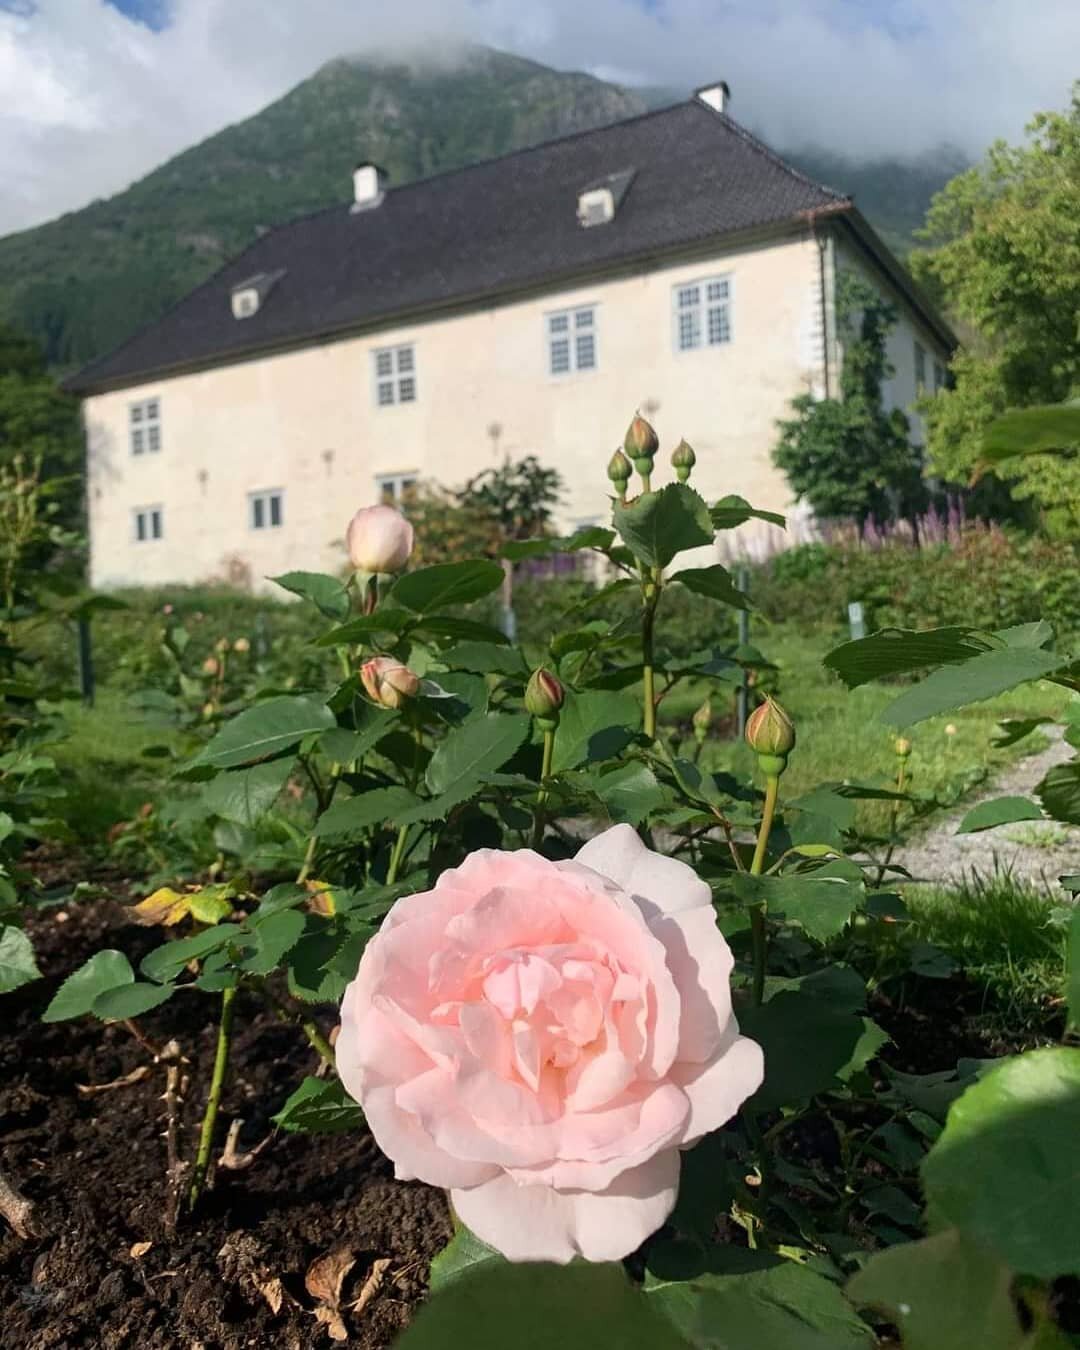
388	682
950	729
619	470
683	460
902	746
210	666
241	645
702	722
641	441
379	539
770	732
222	645
544	696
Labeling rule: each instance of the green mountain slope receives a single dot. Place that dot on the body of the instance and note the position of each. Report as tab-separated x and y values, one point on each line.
82	283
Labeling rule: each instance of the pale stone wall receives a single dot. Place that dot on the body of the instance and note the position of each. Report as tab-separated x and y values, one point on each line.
306	421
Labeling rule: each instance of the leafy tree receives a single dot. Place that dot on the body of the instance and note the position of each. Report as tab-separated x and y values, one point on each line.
1004	249
849	457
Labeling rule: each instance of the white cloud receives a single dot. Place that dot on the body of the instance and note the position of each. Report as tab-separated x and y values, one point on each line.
92	100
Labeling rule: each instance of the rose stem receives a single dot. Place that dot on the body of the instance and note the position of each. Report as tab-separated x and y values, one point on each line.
217	1082
396	855
542	795
757	913
651	598
316	1039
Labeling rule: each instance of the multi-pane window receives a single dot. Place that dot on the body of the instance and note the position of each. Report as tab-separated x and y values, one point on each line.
148	523
395	375
571	337
920	367
703	314
266	509
144	421
395	488
941	376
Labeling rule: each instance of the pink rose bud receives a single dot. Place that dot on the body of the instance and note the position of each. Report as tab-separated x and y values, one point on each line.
770	732
545	1038
241	645
641	440
379	539
544	696
388	682
210	666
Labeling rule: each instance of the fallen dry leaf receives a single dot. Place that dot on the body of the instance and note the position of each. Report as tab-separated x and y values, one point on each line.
274	1293
371	1285
331	1320
326	1275
139	1249
135	1076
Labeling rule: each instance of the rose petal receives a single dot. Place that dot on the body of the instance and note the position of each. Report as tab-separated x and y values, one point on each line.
539	1223
416	1156
700	961
717	1090
620	855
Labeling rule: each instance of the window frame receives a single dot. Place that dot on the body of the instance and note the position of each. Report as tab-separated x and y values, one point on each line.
145	426
261	502
919	358
395	377
143	521
398	483
572	335
701	312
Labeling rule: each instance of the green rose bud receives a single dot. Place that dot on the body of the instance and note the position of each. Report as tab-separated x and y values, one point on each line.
702	722
544	696
683	460
770	733
619	470
902	746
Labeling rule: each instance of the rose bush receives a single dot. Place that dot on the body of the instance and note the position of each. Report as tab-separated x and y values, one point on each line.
543	1037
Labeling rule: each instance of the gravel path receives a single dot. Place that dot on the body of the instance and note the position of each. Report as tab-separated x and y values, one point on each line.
1034	851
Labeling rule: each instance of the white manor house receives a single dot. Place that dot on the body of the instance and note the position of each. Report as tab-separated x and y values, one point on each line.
529	304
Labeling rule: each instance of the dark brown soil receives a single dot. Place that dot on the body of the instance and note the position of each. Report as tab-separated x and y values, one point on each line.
109	1275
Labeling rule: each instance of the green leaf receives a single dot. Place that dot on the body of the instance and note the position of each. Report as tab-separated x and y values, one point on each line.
131	1000
732	511
820	905
463	1255
1000	811
464	630
273	937
981	677
943	1293
310	965
164	963
901	651
810	1047
349	817
345	745
658	525
456	583
706	1187
1059	792
594	725
537	1307
484	658
1041	429
1005	1168
630	793
1013	729
326	593
319	1106
17	964
366	626
1072	988
716	582
245	795
264	730
76	996
747	1300
475	748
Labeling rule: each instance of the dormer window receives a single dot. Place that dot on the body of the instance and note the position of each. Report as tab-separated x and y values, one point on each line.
248	297
598	202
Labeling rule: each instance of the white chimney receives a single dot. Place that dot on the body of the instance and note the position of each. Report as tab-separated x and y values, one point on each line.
369	186
716	96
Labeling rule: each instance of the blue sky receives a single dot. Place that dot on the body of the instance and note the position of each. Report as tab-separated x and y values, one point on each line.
98	92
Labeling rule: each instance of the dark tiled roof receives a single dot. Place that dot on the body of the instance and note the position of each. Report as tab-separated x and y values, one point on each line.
494	227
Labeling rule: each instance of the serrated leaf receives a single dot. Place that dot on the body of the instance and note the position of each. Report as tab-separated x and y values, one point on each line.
716	582
464	1254
272	937
630	793
265	730
351	817
131	1000
105	970
245	795
457	583
484	658
1000	811
326	593
658	525
165	963
1059	792
371	724
366	626
17	964
319	1106
594	725
474	748
821	905
902	651
733	511
981	677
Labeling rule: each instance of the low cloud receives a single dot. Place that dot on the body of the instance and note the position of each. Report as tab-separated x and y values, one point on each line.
93	99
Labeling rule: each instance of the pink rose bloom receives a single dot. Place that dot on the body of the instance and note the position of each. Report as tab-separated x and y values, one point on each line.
379	539
543	1038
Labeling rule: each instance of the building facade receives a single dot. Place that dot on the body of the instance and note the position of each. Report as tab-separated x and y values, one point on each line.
670	264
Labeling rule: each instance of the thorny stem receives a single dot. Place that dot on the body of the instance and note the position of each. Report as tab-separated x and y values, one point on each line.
213	1102
757	913
651	598
542	795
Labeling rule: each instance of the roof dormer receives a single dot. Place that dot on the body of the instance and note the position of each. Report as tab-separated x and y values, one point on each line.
598	203
248	297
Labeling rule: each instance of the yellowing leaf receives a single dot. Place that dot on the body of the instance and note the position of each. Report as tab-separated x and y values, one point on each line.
165	907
